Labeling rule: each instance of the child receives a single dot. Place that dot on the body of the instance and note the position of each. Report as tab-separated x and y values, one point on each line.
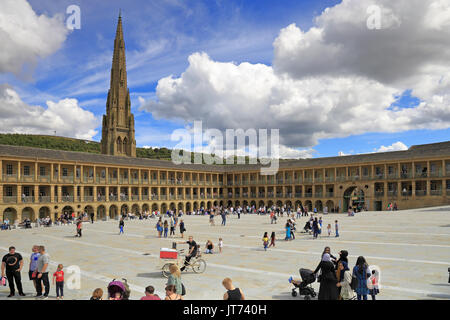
329	229
166	228
373	290
59	277
265	241
272	240
336	227
220	245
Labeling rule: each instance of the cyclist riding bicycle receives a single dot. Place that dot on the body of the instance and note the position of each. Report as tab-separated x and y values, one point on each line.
193	250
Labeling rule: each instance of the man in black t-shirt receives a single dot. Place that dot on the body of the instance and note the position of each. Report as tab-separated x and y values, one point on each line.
12	263
192	251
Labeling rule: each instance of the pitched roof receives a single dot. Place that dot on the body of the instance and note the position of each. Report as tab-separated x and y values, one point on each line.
441	149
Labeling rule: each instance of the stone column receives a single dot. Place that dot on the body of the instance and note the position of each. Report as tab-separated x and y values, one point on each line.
106	194
19	193
52	192
36	193
94	191
59	193
19	169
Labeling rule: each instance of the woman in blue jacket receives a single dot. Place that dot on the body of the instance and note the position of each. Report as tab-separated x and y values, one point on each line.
362	272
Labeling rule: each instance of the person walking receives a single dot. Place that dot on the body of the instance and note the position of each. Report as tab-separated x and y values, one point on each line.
42	273
166	228
175	278
33	264
362	273
79	228
336	228
182	228
58	275
12	264
315	228
172	227
121	225
265	240
92	217
224	217
328	281
272	240
344	280
288	231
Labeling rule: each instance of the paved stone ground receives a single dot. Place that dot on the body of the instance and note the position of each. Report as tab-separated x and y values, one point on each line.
411	247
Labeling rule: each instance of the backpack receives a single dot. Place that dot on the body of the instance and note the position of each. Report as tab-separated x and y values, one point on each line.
355	282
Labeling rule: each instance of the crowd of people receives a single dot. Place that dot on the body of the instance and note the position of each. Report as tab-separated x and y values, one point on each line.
338	283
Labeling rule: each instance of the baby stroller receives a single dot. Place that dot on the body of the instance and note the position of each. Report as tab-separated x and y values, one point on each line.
121	287
304	287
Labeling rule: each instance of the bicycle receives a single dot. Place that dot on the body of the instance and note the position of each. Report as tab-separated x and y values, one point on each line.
197	264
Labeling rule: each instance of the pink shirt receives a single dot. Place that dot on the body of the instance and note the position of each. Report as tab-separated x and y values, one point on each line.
150	298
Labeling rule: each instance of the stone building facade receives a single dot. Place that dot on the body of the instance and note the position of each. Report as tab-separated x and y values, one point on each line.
38	183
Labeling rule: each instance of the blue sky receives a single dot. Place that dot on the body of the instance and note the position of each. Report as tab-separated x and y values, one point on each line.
159	38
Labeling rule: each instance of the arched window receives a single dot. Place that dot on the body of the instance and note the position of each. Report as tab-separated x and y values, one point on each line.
125	145
119	145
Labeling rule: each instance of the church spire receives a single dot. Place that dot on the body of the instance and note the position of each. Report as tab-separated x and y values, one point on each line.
118	124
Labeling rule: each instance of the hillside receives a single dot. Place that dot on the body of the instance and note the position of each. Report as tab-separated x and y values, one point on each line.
77	145
70	144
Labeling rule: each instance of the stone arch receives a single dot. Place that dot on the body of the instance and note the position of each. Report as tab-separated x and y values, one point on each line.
279	203
261	203
308	204
145	207
298	203
67	209
289	203
28	213
125	145
208	205
101	212
155	207
10	213
195	205
202	204
353	196
253	203
330	205
113	212
89	210
245	203
163	208
230	203
270	203
180	206
124	209
221	203
237	203
44	212
188	206
172	206
318	205
135	208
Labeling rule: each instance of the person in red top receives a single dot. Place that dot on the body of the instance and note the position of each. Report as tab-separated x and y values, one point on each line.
79	228
149	294
59	277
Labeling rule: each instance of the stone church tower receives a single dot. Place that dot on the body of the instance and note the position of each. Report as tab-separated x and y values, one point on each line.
118	123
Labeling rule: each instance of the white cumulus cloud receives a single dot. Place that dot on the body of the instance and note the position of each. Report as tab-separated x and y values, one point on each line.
396	146
65	117
26	37
338	78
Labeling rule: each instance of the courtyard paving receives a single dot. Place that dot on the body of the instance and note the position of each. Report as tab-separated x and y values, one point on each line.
411	247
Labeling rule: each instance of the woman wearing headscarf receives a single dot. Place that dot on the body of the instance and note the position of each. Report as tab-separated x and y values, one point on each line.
328	289
343	256
344	280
